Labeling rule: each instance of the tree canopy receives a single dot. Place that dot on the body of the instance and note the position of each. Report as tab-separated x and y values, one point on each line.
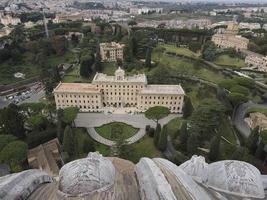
207	117
156	113
15	151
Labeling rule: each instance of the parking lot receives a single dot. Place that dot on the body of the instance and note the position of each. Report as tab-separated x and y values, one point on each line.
32	94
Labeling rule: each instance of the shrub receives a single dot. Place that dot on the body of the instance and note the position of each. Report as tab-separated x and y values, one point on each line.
14	152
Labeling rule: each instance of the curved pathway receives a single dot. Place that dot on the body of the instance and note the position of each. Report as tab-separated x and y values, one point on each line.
239	115
92	120
92	132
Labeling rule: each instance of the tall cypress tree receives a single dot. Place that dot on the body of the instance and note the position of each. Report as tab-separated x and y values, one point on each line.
68	141
188	107
157	135
162	143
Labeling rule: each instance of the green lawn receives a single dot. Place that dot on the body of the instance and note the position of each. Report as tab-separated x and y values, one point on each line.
179	51
108	131
226	60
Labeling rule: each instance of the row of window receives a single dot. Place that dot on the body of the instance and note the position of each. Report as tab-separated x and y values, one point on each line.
159	103
77	96
115	99
75	101
120	86
160	97
80	106
119	93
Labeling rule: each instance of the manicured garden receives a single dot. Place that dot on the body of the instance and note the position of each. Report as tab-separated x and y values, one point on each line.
115	130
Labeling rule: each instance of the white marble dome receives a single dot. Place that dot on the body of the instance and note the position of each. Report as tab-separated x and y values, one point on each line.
236	177
86	176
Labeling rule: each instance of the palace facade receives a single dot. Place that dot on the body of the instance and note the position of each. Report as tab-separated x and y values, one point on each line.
111	52
119	91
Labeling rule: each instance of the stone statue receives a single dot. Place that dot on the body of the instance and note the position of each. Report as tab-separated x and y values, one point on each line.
109	178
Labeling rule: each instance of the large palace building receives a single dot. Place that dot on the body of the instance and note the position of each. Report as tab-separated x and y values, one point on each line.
119	91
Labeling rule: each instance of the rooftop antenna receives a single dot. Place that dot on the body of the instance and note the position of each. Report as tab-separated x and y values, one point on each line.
45	24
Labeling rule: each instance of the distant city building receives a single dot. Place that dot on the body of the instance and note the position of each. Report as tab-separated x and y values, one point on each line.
145	10
256	61
111	52
46	157
230	39
118	91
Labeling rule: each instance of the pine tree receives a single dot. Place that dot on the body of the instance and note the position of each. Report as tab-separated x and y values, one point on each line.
183	136
252	140
157	135
188	107
215	147
162	144
68	141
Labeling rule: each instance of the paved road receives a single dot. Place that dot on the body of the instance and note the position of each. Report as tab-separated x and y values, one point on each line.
91	120
239	115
